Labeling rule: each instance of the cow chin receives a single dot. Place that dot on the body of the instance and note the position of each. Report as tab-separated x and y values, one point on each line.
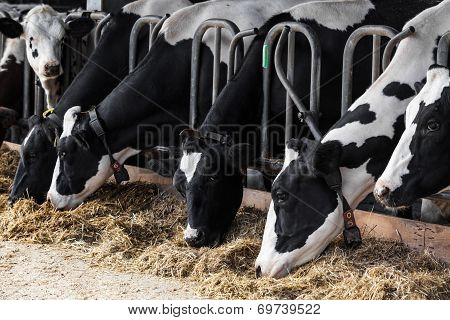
273	264
202	237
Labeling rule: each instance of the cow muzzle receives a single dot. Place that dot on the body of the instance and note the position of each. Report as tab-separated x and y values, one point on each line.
52	70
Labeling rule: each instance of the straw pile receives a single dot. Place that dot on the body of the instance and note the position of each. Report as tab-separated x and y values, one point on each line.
139	228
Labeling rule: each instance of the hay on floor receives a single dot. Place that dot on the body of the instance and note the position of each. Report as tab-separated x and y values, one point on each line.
139	228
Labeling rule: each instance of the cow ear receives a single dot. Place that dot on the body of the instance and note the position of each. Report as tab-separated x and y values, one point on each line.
10	28
240	155
80	27
33	120
327	158
418	86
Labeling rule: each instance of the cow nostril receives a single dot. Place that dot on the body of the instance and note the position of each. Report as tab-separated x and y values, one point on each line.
258	272
52	69
383	192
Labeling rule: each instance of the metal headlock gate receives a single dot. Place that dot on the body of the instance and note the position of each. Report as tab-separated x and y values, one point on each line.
287	31
154	23
376	32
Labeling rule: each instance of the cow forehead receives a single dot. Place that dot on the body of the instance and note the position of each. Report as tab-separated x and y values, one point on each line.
437	80
189	163
70	118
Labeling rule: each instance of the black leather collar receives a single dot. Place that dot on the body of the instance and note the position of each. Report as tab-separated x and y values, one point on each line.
120	173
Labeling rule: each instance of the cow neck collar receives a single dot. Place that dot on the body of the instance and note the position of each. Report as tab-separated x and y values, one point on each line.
120	173
352	234
222	139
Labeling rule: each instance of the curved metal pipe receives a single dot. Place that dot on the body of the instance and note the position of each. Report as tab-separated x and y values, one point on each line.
349	50
236	51
309	117
387	56
195	61
443	49
151	21
99	28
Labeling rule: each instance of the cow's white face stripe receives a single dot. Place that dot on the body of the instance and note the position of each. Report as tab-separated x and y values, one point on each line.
437	80
155	7
25	141
70	118
190	233
345	13
275	264
189	163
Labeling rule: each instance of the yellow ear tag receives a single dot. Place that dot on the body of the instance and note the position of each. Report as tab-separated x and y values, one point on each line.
47	112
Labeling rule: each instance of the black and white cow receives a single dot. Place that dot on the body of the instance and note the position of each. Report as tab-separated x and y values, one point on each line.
156	94
207	176
419	165
306	214
43	30
106	67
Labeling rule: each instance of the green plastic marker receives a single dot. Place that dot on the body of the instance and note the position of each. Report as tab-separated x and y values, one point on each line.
265	56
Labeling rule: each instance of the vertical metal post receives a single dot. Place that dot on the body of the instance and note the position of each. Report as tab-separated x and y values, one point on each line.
216	69
26	89
376	57
38	97
99	29
2	44
443	49
291	78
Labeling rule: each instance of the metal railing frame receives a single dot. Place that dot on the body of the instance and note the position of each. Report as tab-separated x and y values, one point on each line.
287	32
155	24
347	66
376	32
217	25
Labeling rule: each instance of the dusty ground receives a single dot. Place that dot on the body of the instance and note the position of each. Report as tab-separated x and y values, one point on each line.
33	271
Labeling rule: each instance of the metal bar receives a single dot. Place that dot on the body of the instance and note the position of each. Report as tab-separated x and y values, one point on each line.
376	57
216	69
26	89
443	49
310	120
349	50
195	60
291	78
97	15
387	56
236	52
39	97
158	27
134	36
2	44
99	29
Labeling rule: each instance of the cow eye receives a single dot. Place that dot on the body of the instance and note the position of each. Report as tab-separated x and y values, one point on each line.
212	179
62	155
281	196
31	156
433	125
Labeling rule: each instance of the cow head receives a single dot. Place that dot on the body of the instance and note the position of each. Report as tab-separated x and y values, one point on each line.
419	165
83	164
305	213
37	158
43	30
210	179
